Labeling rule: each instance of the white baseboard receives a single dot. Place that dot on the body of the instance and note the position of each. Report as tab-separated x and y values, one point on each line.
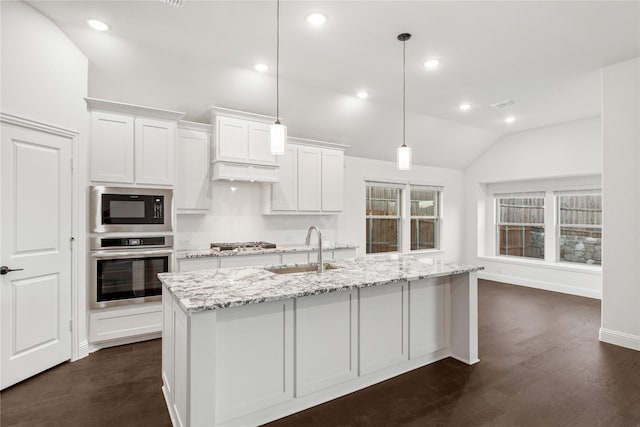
620	338
539	284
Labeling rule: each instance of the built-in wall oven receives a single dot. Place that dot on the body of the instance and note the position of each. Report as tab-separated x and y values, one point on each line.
124	270
130	210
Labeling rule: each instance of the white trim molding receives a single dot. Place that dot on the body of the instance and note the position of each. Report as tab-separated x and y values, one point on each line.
22	122
539	284
135	110
620	338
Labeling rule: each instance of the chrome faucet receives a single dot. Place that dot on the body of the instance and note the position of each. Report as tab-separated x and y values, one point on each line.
320	263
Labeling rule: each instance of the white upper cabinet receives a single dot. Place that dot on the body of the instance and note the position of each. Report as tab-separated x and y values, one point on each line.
232	139
284	196
309	178
111	147
260	143
155	142
131	144
332	180
242	146
193	189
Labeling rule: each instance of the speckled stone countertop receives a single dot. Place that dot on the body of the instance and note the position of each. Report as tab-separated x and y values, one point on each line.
228	287
202	253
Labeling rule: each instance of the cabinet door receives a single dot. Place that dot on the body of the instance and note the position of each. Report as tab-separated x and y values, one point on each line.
428	316
326	340
254	358
260	144
111	148
232	136
155	151
383	326
193	191
309	178
284	193
332	180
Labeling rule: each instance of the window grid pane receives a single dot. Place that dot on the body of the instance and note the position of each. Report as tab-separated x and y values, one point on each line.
521	226
521	210
383	219
522	241
424	203
424	233
580	228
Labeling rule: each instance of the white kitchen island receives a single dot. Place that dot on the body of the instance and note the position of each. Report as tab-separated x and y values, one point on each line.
244	346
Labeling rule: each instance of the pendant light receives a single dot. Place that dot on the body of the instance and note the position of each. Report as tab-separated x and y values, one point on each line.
278	130
404	152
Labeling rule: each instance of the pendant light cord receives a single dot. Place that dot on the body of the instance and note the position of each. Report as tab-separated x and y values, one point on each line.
278	62
404	90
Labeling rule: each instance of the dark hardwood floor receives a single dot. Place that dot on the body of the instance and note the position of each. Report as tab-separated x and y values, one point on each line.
541	365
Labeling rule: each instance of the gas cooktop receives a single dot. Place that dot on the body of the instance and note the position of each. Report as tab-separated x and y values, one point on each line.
243	246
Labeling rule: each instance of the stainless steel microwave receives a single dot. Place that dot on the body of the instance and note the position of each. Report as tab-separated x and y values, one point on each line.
132	210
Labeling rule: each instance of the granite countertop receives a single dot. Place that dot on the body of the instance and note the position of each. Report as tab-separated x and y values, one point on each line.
228	287
202	253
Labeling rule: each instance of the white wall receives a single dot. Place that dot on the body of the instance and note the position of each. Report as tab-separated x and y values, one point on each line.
237	215
571	149
621	191
44	79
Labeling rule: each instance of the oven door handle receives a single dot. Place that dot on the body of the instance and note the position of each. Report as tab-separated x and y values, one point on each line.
130	254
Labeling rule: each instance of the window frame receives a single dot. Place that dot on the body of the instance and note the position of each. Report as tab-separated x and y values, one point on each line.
399	217
558	226
498	223
404	227
437	215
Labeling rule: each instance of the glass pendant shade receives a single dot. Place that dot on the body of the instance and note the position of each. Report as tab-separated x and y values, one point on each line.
404	158
278	138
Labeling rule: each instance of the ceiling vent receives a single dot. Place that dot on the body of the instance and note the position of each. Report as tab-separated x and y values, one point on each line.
176	3
503	104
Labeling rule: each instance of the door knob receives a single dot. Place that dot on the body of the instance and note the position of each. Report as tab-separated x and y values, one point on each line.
4	269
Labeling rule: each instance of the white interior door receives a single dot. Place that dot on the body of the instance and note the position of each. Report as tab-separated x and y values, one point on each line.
35	228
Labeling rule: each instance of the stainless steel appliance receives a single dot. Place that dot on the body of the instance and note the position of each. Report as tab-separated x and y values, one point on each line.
242	246
124	269
132	210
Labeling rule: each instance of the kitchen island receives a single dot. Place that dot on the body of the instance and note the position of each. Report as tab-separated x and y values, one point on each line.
244	346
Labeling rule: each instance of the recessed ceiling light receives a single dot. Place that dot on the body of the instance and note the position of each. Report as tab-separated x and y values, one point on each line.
432	64
509	119
465	106
97	24
362	94
316	18
263	68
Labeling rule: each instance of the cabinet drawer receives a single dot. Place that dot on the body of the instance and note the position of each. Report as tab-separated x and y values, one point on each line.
249	260
125	322
193	264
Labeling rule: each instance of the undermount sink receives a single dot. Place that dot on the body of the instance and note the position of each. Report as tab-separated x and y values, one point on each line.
305	268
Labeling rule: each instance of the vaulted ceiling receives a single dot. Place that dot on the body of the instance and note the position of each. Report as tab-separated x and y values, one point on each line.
545	56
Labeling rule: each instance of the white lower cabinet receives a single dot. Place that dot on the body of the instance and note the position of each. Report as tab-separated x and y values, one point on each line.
326	340
254	347
383	326
249	260
252	364
193	264
428	316
124	322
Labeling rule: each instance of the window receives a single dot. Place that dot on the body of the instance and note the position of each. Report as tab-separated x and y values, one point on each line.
425	207
520	224
579	236
383	218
